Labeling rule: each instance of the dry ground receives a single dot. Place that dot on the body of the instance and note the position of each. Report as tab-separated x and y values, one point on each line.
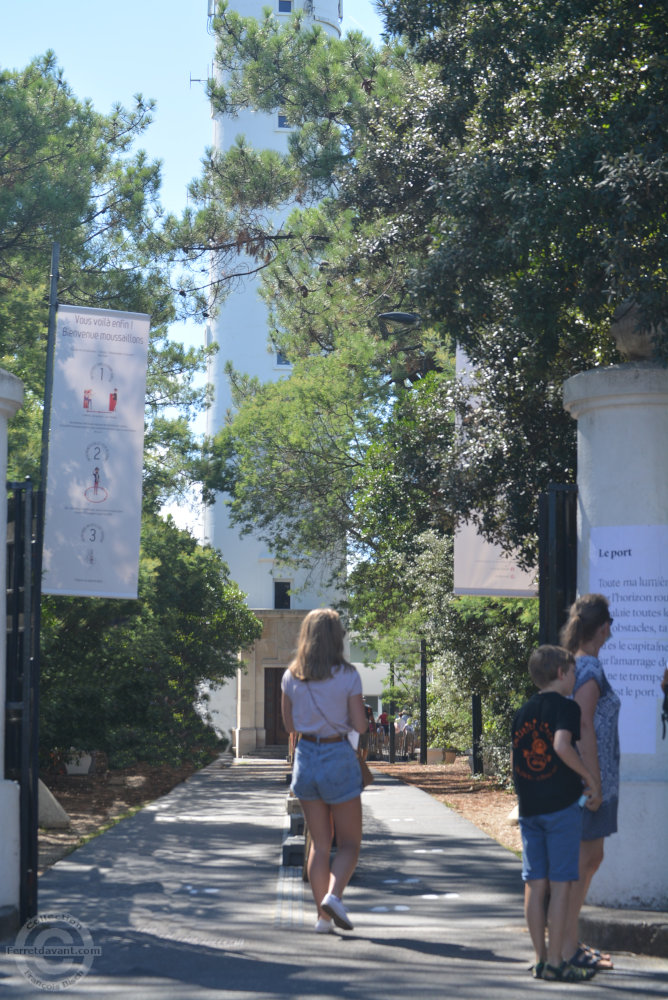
94	802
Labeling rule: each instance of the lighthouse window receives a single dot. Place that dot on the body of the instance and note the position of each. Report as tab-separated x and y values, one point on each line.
281	595
284	6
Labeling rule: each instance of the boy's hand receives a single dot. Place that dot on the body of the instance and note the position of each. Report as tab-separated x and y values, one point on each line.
593	793
594	799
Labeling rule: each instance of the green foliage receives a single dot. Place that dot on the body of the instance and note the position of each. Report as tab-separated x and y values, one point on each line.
448	711
124	676
68	175
475	645
120	676
499	170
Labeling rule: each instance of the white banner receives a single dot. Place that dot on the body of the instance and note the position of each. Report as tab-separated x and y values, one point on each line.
482	568
96	445
629	566
485	570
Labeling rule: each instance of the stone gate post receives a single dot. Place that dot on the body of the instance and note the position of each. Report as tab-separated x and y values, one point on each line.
622	414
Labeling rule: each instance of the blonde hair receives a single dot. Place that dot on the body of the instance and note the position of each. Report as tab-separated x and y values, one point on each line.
545	661
320	646
585	617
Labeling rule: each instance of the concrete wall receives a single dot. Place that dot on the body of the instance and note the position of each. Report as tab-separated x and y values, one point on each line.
622	415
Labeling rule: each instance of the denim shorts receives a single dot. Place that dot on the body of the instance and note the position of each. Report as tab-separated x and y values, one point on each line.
551	845
329	772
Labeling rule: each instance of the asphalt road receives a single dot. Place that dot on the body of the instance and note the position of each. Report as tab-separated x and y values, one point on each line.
189	899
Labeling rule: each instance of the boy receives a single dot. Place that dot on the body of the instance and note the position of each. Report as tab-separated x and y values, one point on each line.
548	775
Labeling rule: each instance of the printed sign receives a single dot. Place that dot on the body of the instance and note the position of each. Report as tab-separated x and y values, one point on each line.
629	566
96	445
485	569
482	568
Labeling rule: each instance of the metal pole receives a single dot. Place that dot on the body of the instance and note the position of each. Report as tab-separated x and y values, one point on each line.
423	701
476	712
48	385
30	666
390	721
32	584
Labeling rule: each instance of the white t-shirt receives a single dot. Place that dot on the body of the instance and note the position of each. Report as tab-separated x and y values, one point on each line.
321	707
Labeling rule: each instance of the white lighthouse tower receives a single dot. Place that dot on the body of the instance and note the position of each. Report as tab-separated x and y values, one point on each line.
248	708
240	329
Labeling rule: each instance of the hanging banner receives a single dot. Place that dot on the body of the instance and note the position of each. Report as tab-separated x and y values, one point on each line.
481	568
484	569
629	566
96	446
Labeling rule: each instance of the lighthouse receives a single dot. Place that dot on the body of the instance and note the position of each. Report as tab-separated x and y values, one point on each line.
247	708
240	329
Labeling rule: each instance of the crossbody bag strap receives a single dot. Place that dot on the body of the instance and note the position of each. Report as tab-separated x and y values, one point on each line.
316	706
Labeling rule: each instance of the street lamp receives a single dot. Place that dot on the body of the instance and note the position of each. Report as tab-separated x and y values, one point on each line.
401	318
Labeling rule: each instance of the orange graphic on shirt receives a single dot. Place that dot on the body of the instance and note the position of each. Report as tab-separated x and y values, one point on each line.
537	757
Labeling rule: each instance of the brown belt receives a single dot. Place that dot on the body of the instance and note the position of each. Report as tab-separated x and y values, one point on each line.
323	739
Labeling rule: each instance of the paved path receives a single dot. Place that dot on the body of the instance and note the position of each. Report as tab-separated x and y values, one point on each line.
188	899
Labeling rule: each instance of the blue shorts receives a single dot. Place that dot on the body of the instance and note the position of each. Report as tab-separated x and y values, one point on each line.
329	772
551	845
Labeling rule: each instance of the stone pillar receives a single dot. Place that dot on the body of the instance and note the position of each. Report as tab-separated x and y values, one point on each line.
622	415
11	398
245	733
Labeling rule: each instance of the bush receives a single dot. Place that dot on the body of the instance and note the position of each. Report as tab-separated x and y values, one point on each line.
124	676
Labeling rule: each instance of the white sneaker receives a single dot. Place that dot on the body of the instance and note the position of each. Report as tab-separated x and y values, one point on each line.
323	926
334	907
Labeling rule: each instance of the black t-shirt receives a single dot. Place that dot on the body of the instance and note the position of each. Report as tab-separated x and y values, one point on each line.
544	784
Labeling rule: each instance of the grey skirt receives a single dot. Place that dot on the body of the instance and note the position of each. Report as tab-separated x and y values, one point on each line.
601	823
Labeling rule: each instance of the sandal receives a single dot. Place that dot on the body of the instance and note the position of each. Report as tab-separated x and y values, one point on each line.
537	970
567	973
602	958
589	958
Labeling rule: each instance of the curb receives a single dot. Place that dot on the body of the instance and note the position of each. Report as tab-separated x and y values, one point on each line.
638	931
9	922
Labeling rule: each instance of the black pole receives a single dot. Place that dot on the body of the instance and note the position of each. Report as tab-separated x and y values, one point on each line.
476	715
48	384
390	721
30	671
33	589
423	701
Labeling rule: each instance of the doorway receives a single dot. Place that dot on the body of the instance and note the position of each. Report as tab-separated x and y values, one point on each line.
276	734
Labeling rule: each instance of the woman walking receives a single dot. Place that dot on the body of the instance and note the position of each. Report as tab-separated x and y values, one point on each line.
588	627
322	700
